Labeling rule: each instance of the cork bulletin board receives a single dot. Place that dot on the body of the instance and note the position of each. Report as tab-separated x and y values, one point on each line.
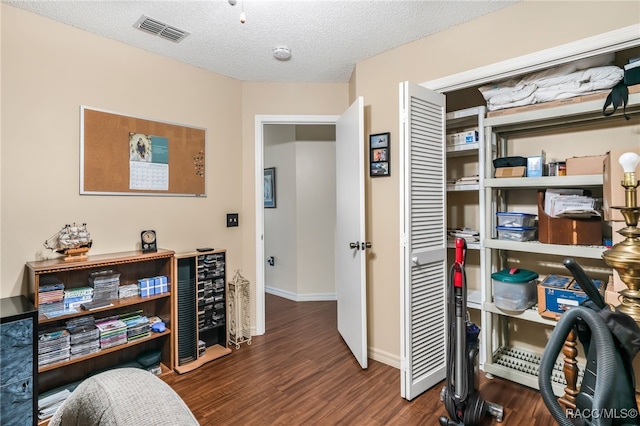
123	155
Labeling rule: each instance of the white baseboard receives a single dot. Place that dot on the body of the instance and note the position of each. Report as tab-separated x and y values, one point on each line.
384	357
313	297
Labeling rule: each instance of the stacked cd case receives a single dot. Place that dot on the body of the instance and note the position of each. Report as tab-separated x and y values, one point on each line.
105	284
85	336
138	325
53	346
113	332
128	290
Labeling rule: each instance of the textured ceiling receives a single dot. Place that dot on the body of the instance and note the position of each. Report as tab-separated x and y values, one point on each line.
326	38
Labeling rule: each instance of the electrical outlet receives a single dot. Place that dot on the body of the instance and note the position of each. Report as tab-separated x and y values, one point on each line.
232	219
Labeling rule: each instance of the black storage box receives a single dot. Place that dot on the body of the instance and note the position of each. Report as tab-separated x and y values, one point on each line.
509	162
632	76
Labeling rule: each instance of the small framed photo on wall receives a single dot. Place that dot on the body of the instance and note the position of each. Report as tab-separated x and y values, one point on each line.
379	151
270	188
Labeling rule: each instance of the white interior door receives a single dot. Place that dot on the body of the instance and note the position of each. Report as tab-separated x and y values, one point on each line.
423	239
350	231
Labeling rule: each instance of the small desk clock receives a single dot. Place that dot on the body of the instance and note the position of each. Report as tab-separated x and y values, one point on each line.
148	241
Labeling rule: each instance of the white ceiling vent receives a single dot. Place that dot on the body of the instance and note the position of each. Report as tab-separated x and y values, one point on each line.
153	26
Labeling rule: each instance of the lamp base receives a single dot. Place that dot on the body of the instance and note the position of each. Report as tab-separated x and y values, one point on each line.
630	304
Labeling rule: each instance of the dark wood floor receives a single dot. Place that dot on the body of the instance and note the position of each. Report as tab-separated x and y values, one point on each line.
300	372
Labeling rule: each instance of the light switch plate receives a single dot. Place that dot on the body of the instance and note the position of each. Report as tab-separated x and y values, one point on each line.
232	219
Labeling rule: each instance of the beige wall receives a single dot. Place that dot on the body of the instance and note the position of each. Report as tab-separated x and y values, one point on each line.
517	30
49	70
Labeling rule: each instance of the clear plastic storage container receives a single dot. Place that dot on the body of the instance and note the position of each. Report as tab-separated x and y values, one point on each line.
516	220
514	289
516	234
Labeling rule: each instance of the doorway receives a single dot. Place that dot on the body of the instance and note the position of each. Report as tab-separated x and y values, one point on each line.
349	236
261	121
300	214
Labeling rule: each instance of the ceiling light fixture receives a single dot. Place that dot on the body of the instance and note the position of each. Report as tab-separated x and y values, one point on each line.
282	53
243	17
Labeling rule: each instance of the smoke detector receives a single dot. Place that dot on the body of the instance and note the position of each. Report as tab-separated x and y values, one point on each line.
281	53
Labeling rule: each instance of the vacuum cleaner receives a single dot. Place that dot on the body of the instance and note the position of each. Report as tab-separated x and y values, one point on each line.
610	341
460	393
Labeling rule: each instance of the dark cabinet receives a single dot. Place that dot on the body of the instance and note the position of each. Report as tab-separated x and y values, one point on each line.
201	308
18	343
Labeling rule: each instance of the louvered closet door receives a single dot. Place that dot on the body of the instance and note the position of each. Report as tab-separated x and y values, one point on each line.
423	238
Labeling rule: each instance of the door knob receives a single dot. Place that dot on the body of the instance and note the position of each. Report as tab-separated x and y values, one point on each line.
354	245
366	245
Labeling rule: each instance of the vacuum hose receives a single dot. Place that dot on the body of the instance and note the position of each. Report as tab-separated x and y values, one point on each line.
605	373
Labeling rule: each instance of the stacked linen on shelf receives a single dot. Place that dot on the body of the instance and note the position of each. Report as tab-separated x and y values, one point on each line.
468	234
582	77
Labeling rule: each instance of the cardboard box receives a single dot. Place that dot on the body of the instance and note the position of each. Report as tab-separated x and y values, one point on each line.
559	293
591	165
566	230
612	190
536	165
507	172
611	296
462	138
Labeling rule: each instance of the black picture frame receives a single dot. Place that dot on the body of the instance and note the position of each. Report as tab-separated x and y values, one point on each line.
379	155
270	188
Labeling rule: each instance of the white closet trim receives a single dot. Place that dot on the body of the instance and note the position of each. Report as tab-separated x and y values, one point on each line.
608	42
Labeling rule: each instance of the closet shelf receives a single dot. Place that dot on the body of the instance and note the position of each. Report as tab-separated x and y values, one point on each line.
465	117
474	299
463	187
587	252
115	304
103	352
522	366
544	182
571	114
470	246
463	150
530	314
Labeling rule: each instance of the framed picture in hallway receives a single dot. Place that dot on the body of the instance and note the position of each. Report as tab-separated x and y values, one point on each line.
379	155
270	188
